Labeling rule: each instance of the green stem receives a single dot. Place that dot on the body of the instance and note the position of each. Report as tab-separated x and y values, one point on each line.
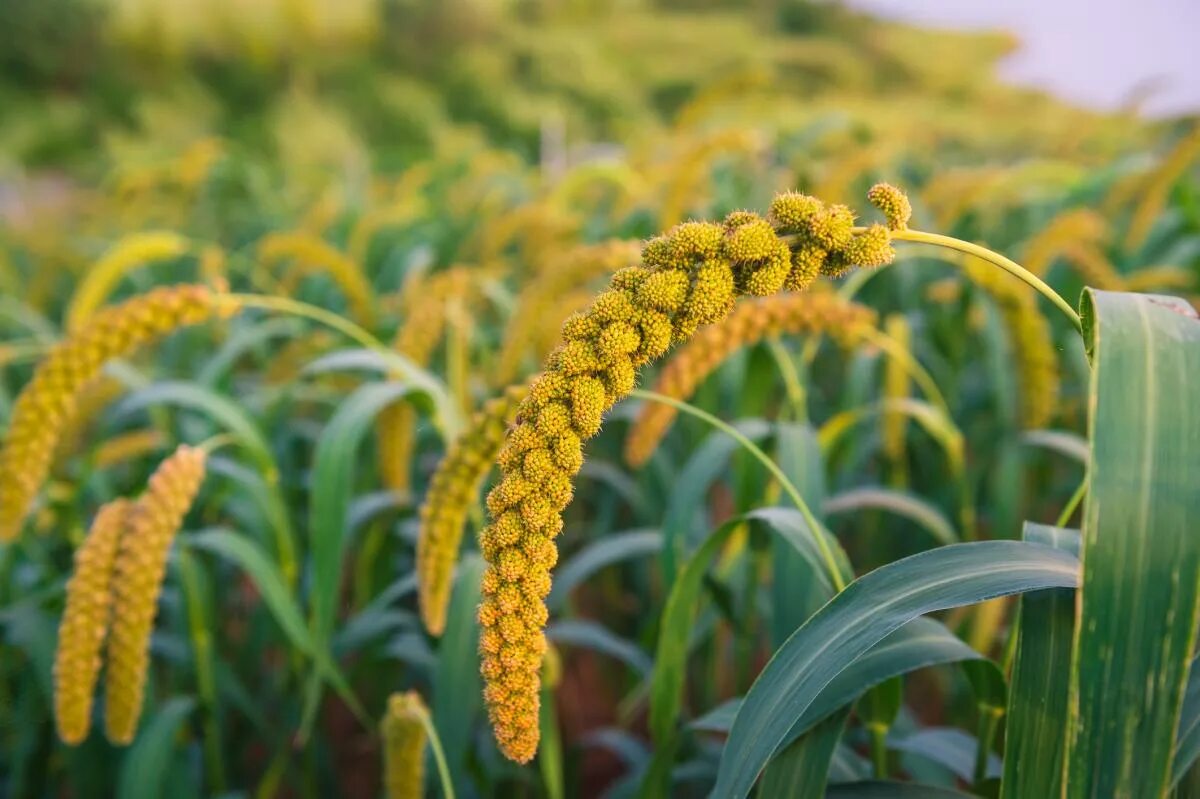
297	308
989	725
439	755
877	734
791	380
446	417
994	258
1072	503
835	574
206	684
910	365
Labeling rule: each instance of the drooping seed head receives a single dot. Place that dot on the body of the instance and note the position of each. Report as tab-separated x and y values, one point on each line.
141	564
85	622
403	732
48	402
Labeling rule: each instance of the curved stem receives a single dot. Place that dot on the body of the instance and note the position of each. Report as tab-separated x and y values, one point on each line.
439	755
994	258
216	442
909	364
835	574
297	308
791	379
1073	503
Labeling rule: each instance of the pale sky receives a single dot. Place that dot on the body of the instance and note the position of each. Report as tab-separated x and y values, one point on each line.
1093	52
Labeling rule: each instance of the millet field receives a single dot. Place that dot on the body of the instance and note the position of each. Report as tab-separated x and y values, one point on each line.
587	398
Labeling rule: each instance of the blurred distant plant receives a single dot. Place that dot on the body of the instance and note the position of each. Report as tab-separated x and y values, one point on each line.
396	222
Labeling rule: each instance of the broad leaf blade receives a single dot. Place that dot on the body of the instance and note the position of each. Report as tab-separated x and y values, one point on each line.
1138	602
859	617
1037	696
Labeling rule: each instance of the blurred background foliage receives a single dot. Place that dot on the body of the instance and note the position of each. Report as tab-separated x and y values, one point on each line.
394	142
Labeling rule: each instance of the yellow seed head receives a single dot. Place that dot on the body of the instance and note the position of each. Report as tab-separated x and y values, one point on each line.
425	321
894	204
48	402
690	277
452	491
122	258
750	323
310	253
546	302
1032	340
85	622
403	733
137	581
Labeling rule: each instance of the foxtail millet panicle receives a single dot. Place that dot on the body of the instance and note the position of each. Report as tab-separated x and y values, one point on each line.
310	253
1031	338
137	582
452	491
85	622
404	735
892	203
689	277
48	402
427	311
751	322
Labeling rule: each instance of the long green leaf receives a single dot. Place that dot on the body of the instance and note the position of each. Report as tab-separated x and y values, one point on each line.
456	682
795	594
670	664
859	617
1187	739
590	635
596	556
334	467
883	789
901	503
1139	596
920	643
1037	695
220	409
246	555
144	770
802	768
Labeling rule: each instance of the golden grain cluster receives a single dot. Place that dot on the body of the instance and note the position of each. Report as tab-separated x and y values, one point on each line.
689	277
749	323
48	402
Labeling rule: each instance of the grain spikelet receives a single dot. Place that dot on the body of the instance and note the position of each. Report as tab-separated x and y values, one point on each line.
403	731
85	622
370	223
1159	278
749	323
452	492
1032	341
1157	189
896	385
122	258
688	278
309	253
92	401
426	314
1093	266
127	446
49	401
690	172
535	229
137	582
1073	227
541	306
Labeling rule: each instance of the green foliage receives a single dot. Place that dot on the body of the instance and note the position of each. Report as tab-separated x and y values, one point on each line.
699	637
